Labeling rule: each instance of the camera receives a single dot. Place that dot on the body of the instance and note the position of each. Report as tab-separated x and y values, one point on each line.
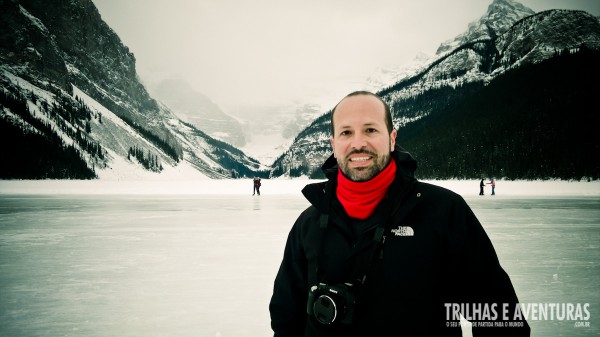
330	304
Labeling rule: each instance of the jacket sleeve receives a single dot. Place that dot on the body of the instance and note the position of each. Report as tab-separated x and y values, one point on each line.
480	280
288	302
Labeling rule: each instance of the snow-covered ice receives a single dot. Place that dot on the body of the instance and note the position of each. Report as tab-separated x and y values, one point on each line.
181	258
179	182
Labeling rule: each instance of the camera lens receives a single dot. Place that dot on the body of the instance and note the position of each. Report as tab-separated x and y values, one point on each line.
325	309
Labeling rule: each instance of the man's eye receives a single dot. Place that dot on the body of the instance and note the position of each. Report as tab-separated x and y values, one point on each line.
371	130
344	133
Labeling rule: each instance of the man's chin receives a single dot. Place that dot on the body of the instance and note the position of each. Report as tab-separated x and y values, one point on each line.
360	174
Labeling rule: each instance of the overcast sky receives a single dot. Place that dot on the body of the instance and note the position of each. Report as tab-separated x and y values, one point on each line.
258	52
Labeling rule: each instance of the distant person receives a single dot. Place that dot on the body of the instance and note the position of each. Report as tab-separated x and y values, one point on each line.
493	183
481	186
379	253
256	186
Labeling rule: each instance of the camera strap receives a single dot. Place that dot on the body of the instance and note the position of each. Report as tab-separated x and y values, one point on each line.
360	270
313	264
394	214
388	213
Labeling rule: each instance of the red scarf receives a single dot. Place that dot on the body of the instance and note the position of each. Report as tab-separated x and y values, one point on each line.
360	198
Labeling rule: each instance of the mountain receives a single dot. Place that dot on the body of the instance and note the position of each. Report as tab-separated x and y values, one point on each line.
270	129
198	110
72	105
448	101
500	16
386	76
532	122
263	132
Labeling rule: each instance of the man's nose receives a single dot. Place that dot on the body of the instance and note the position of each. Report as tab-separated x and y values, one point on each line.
358	141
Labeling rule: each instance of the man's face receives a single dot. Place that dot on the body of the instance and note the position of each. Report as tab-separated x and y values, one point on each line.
361	142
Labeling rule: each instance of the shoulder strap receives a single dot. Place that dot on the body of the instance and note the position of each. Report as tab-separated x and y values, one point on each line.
396	212
359	272
313	264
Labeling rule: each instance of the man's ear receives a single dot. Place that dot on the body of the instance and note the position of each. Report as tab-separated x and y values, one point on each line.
393	139
332	141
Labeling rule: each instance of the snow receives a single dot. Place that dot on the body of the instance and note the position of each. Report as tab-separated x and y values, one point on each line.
176	181
388	75
524	188
35	21
266	148
119	168
122	171
86	258
106	114
26	86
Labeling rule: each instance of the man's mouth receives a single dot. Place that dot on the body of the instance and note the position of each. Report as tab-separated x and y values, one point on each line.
359	159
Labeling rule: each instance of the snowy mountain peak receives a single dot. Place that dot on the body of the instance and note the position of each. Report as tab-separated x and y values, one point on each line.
502	14
507	7
498	19
504	40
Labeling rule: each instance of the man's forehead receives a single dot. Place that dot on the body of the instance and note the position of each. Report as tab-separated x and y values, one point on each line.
364	107
361	102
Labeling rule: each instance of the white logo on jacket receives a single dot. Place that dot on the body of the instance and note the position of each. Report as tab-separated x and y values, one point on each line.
403	231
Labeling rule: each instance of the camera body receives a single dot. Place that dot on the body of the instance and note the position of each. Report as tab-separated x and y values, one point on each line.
330	304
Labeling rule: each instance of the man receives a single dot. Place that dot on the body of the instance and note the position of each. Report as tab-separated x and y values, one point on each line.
256	186
379	253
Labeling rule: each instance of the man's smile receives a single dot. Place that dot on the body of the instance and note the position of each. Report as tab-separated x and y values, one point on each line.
359	159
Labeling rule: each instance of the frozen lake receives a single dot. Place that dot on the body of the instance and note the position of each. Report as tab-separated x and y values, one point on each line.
152	264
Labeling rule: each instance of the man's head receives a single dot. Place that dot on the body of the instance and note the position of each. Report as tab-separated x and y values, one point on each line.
362	135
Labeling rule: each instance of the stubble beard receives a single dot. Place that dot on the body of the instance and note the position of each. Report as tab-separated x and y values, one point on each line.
360	174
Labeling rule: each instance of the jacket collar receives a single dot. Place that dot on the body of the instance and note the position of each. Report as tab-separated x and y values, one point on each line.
315	193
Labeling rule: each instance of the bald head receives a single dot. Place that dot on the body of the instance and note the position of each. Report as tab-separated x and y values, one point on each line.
384	106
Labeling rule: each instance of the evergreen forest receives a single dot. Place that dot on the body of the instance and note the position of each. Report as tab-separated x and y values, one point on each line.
535	122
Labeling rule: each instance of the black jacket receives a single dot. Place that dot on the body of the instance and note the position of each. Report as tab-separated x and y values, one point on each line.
435	256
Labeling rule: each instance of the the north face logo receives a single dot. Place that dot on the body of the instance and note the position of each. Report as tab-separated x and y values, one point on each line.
403	231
